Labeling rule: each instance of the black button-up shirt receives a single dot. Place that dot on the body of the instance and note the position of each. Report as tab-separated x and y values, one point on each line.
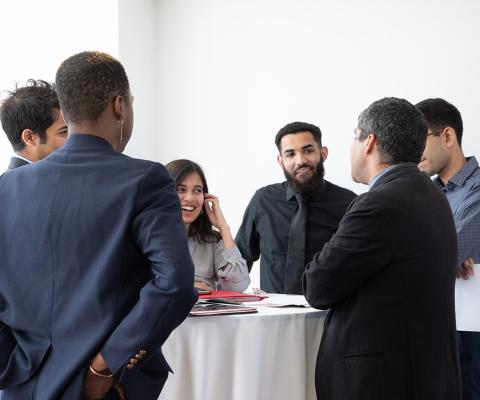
266	226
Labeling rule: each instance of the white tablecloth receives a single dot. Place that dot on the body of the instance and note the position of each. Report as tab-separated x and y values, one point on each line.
265	356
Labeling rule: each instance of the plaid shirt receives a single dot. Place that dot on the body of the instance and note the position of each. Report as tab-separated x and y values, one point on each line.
463	194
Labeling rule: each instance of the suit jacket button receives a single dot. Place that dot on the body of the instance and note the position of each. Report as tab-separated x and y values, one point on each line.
130	366
142	352
133	361
138	356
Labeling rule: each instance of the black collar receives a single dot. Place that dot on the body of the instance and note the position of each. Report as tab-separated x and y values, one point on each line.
314	195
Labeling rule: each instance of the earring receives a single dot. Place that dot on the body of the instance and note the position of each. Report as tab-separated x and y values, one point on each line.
121	130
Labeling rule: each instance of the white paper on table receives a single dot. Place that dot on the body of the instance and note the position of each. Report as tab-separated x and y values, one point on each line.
282	300
467	302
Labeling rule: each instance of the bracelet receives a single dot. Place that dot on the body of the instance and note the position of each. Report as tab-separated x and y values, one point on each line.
98	373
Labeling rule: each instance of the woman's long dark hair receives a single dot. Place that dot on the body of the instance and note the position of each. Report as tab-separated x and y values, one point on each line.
201	229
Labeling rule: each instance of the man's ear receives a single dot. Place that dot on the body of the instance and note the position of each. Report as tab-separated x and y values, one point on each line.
324	152
280	160
450	137
119	107
371	143
30	138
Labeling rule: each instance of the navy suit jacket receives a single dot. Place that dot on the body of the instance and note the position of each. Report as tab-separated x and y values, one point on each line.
16	162
93	257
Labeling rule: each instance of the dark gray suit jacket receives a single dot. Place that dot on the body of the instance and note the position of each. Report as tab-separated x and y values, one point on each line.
388	275
93	257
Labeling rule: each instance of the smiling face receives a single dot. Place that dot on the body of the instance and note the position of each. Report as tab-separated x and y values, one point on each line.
191	195
55	136
301	159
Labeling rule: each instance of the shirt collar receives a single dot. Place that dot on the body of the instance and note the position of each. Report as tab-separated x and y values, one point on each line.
315	195
459	179
379	175
462	176
22	158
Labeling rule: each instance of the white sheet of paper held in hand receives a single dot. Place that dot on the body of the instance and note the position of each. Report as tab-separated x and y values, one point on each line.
467	302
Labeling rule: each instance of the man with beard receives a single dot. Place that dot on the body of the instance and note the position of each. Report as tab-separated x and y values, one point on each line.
287	223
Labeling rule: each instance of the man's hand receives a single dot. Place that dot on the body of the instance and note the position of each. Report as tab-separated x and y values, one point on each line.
96	387
466	269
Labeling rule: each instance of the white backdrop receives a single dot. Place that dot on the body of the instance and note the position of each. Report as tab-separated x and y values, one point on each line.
36	36
231	73
214	80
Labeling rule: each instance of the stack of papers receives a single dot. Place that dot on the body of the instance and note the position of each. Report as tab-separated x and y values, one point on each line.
282	300
238	297
209	308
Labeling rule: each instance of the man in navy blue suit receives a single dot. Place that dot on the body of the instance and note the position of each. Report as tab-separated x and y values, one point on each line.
95	271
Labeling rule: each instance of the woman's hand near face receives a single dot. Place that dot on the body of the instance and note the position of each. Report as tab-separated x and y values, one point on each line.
214	212
217	219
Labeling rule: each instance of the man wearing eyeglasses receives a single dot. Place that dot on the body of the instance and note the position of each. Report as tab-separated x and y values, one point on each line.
388	273
459	178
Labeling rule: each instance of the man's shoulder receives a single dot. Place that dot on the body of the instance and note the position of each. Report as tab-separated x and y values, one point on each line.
274	190
149	168
339	191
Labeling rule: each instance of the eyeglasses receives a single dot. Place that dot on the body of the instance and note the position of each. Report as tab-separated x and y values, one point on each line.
436	133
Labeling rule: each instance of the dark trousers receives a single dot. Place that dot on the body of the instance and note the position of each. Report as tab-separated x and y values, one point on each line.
469	352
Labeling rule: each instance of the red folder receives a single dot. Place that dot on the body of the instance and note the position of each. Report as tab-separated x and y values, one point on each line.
231	296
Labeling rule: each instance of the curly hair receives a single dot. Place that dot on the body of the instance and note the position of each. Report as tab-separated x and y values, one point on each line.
201	229
34	106
86	81
400	129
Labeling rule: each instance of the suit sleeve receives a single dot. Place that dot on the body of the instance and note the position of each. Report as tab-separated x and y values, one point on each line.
7	345
166	300
354	253
248	239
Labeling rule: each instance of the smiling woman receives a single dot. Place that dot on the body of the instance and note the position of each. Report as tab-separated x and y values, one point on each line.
218	262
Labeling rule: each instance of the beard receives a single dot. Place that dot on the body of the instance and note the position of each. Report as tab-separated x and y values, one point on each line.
310	184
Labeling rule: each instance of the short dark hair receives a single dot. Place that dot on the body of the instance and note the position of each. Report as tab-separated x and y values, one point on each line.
400	129
86	81
296	127
201	228
33	106
439	114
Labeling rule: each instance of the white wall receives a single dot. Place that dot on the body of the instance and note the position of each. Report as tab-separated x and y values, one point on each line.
231	73
214	80
36	36
137	47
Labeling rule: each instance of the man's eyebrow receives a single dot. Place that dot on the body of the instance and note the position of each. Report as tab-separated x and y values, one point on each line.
307	146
